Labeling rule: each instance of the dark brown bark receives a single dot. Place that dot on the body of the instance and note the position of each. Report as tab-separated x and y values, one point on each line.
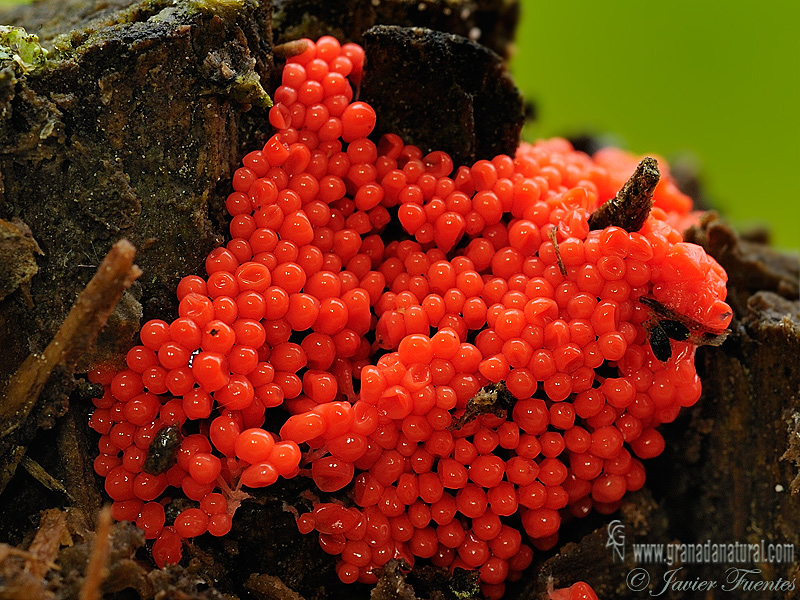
490	22
441	92
21	393
126	132
631	206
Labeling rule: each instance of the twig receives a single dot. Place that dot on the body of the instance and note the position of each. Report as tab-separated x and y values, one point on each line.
553	235
76	334
269	587
6	551
631	206
98	560
39	474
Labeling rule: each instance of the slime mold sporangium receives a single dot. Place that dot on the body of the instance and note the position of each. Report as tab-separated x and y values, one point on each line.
503	360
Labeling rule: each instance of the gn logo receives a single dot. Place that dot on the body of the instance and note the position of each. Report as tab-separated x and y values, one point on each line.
616	539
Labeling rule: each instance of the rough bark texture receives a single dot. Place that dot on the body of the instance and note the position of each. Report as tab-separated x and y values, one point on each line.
631	206
733	461
76	335
133	129
477	114
18	252
490	22
126	132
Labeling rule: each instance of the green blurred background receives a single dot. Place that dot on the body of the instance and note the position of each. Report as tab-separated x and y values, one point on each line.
716	82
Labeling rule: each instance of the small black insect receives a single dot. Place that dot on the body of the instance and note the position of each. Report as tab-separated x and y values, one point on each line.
161	454
675	330
659	342
664	325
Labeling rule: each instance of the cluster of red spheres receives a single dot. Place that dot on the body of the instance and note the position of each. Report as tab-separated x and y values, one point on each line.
577	591
494	290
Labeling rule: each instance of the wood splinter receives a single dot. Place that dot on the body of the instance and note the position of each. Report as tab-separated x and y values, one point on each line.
78	331
493	398
553	235
96	569
73	339
38	472
631	206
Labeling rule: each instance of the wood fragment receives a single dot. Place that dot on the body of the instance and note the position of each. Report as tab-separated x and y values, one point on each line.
18	250
392	582
78	466
76	334
698	334
289	49
162	452
38	472
631	206
553	235
269	587
7	551
463	100
664	324
491	399
96	570
44	548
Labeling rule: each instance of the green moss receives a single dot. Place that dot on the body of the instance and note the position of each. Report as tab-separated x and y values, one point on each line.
22	48
247	89
154	20
218	5
464	584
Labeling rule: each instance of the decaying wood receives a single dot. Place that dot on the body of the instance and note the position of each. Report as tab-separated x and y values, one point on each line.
631	206
75	336
139	113
72	439
23	572
44	547
489	22
18	251
97	569
733	456
269	587
78	332
441	92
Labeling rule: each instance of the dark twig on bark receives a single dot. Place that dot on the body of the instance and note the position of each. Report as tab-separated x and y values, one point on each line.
73	339
42	476
631	206
79	330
